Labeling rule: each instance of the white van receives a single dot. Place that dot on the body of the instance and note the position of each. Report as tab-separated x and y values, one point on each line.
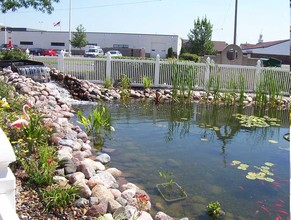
93	51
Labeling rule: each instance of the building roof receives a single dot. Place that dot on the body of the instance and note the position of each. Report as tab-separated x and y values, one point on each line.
218	45
261	45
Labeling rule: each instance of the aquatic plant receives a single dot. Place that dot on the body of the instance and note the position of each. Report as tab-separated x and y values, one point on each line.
253	121
214	210
147	82
97	125
241	87
125	85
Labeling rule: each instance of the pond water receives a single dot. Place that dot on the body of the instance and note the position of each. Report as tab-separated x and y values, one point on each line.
198	144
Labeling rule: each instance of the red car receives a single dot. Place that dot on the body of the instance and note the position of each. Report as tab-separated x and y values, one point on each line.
49	52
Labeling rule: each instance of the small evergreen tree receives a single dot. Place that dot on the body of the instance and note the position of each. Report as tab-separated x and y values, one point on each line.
170	53
200	37
79	37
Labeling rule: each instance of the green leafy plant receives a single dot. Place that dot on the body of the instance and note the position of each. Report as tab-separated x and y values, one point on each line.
56	196
241	86
108	83
97	124
41	166
214	210
167	176
125	85
147	82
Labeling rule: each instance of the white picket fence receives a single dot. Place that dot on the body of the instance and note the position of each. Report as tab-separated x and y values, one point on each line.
162	72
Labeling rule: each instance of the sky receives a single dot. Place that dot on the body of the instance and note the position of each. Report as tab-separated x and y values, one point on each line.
271	18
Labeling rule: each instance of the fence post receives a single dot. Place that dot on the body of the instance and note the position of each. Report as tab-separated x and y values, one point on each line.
7	180
61	61
207	71
257	75
157	70
108	67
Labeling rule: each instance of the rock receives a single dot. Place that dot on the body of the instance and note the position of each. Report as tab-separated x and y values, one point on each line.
128	186
93	200
95	164
113	205
128	194
84	191
98	209
87	170
163	216
76	177
122	213
142	216
108	216
104	178
122	201
114	172
68	165
101	192
82	202
60	180
103	158
115	192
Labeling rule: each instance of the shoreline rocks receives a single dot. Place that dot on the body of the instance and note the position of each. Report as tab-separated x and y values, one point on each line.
87	91
99	184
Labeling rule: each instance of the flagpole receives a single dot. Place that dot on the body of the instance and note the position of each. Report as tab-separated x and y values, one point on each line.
235	23
70	35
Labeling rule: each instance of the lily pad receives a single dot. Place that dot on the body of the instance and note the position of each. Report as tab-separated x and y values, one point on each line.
268	179
235	162
250	177
269	164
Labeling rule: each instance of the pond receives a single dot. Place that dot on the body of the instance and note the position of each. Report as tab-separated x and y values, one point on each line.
209	154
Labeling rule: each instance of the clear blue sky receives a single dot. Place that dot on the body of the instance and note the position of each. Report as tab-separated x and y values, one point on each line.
268	17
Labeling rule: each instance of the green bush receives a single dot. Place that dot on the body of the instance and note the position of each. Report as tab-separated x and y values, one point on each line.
15	54
189	56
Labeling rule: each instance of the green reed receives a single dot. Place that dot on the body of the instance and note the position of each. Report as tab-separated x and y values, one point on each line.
241	87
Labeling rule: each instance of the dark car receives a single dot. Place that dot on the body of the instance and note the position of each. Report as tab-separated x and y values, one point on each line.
36	51
49	52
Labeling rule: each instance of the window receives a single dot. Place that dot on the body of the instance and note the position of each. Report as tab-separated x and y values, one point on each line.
120	46
57	44
26	43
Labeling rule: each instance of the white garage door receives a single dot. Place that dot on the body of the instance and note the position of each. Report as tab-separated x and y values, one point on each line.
158	48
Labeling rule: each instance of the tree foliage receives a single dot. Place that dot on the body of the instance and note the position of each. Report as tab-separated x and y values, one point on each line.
79	39
200	37
40	5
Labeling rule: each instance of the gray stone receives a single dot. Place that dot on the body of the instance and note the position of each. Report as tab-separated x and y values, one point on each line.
163	216
114	172
103	178
84	191
103	158
98	209
113	205
93	200
82	202
76	177
122	201
87	170
68	165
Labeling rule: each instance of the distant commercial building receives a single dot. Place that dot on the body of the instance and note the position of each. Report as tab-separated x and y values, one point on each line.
128	44
279	49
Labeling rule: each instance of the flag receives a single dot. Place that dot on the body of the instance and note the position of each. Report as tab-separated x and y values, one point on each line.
57	24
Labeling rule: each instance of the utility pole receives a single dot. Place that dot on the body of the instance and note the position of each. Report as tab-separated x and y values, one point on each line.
235	22
70	34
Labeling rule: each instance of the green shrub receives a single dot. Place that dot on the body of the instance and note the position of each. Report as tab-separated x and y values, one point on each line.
108	83
15	54
147	82
189	56
170	53
41	166
57	196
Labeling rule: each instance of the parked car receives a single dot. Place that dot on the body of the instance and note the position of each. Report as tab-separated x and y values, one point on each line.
49	52
66	53
8	46
94	52
35	51
114	53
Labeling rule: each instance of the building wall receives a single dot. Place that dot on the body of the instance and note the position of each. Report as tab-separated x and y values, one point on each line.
153	44
278	49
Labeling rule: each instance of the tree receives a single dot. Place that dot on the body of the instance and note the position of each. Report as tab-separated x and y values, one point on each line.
40	5
79	38
200	37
